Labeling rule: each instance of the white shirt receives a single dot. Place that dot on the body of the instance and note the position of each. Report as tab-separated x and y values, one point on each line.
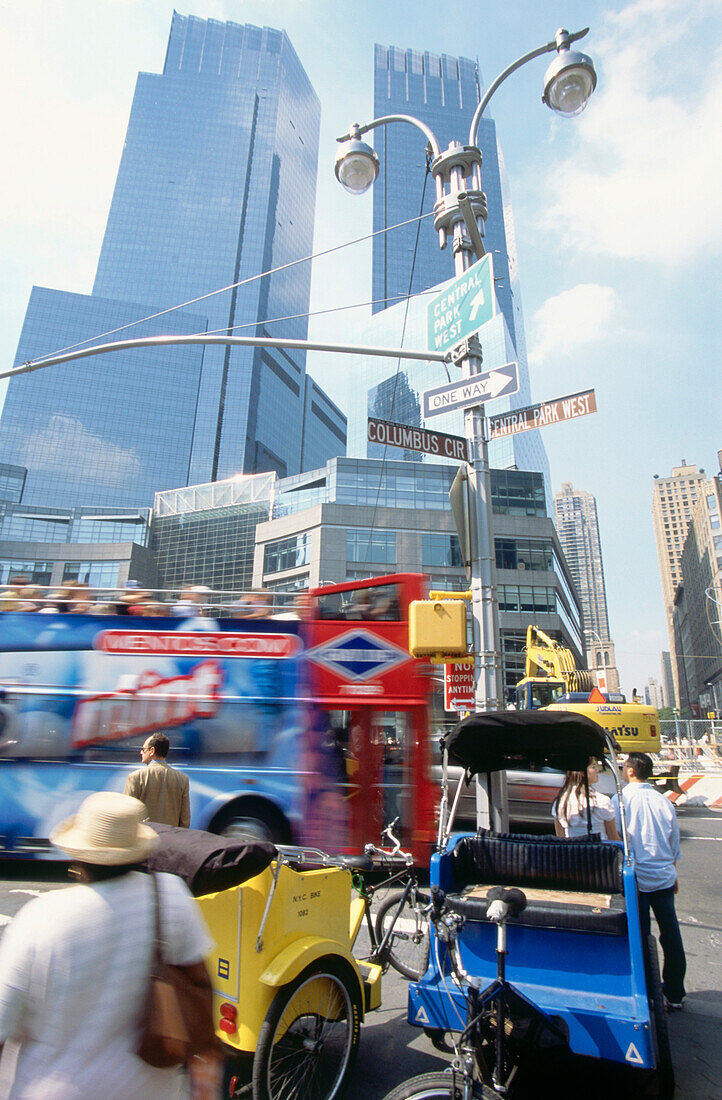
574	820
654	835
74	968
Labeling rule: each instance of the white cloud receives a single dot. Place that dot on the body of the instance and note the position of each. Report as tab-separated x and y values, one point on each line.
66	445
643	182
572	320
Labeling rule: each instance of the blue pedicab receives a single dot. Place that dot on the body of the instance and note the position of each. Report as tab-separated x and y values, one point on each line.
536	945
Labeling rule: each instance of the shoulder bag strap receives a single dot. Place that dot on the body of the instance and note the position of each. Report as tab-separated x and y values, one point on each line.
157	956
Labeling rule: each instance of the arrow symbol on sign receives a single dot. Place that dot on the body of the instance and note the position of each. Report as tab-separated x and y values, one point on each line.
497	382
476	304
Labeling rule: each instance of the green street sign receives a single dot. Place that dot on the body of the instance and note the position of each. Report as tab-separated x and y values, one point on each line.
462	307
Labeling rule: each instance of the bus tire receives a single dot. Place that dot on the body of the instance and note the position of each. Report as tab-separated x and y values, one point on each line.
249	819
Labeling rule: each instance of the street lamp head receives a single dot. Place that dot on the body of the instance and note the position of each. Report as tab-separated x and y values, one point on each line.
357	166
570	79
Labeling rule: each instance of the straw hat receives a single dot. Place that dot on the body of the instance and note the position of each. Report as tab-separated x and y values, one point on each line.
108	829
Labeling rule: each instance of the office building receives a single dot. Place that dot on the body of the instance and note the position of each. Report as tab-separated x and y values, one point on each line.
667	679
575	517
443	92
673	501
216	185
363	518
697	608
102	547
205	534
654	694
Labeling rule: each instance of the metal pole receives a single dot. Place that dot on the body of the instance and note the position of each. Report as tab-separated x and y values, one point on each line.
486	644
240	341
491	794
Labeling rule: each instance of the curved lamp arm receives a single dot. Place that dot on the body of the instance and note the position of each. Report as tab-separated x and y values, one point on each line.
558	43
356	131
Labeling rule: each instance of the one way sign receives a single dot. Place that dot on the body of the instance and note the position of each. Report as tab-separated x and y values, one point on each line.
472	391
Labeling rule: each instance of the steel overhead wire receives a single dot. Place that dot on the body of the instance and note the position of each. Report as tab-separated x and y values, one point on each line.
231	286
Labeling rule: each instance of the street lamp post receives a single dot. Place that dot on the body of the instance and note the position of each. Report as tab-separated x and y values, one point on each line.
459	214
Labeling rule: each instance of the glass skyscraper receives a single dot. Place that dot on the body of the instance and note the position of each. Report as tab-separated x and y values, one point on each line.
216	184
443	92
577	524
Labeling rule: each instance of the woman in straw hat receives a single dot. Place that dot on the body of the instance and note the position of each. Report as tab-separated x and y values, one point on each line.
74	965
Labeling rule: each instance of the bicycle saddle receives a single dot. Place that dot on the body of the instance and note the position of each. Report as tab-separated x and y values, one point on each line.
505	901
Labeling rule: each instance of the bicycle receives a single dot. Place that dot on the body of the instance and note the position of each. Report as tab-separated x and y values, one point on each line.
399	935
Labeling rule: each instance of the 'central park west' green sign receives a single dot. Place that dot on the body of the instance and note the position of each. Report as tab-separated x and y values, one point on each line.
462	307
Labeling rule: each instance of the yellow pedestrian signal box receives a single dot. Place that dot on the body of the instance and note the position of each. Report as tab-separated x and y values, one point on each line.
437	628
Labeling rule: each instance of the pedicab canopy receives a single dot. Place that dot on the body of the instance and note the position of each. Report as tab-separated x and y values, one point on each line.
493	741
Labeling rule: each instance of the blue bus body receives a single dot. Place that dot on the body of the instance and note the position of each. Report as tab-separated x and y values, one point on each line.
80	693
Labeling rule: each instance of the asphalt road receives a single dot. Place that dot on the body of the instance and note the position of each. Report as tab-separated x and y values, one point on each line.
391	1050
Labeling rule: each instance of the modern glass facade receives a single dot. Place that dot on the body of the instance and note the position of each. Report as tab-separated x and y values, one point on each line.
101	546
361	518
105	431
205	534
12	482
216	184
577	523
443	92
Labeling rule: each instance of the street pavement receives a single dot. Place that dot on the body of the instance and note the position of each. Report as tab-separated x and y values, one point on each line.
391	1051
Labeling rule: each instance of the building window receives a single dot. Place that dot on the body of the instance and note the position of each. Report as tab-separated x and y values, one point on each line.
23	528
37	572
532	554
367	545
525	598
517	493
98	574
438	550
290	553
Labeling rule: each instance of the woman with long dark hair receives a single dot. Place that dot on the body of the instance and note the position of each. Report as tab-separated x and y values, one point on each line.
572	815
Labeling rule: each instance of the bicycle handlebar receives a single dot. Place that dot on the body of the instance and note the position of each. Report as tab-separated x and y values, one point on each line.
504	902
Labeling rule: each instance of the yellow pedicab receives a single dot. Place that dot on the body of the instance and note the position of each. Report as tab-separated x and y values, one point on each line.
287	988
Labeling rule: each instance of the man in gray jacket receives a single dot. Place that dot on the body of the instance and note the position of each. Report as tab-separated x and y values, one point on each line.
163	790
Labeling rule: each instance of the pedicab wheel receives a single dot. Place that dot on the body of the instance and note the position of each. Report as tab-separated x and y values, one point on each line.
438	1086
408	950
663	1080
308	1042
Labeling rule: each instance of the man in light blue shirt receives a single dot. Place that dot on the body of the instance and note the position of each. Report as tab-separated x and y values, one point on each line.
654	837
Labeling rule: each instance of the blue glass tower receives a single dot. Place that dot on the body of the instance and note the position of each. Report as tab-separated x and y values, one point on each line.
216	184
443	92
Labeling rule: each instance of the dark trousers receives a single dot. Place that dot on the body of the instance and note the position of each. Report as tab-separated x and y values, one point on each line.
661	902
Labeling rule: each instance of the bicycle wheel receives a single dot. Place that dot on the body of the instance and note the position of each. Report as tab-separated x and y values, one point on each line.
408	948
308	1042
437	1086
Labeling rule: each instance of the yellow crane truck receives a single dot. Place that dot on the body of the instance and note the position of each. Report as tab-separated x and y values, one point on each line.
553	682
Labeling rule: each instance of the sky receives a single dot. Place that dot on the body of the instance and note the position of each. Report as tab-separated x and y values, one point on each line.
617	213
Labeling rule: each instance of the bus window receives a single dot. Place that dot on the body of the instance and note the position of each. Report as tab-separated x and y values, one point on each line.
371	603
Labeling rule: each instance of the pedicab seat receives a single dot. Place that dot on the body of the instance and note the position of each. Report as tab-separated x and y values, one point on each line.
574	886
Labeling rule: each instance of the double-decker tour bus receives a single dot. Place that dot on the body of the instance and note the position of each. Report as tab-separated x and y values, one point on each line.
310	730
